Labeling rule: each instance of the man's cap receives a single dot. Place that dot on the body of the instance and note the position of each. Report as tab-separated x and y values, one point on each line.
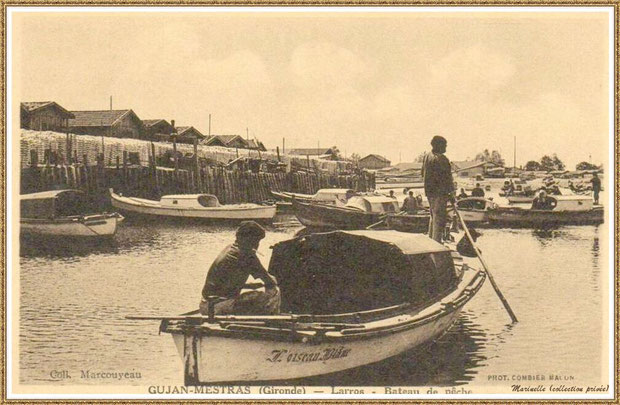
438	140
250	230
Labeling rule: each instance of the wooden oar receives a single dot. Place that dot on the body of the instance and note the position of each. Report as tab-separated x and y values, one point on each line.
486	268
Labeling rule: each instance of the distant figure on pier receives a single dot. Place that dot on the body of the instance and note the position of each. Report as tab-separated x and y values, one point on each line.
477	191
410	205
438	186
542	201
462	194
596	186
229	273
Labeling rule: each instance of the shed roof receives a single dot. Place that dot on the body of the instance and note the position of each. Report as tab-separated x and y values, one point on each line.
101	118
226	139
378	157
150	123
185	130
30	106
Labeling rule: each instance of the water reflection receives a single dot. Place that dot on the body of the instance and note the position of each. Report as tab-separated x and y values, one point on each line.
63	248
159	268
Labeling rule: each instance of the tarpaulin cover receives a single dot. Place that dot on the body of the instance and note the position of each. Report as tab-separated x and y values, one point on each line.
340	272
52	204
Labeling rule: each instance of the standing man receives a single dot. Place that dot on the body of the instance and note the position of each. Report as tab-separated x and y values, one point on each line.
438	186
229	273
596	186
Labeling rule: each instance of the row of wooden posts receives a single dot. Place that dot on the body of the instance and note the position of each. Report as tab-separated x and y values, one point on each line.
152	182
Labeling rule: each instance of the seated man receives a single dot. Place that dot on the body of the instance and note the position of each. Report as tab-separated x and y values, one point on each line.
229	272
477	191
543	202
410	205
462	194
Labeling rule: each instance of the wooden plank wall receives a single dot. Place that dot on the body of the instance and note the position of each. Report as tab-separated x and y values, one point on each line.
230	187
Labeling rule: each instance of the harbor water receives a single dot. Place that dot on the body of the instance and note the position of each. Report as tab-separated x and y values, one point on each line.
74	301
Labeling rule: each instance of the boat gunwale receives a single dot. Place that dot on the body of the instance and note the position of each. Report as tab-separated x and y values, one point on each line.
71	218
156	205
348	210
466	293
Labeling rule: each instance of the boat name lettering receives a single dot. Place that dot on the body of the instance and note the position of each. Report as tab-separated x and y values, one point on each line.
329	353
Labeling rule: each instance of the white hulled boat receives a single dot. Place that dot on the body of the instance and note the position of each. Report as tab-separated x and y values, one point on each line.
194	206
391	306
64	213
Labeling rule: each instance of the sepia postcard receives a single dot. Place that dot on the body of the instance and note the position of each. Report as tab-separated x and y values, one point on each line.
311	203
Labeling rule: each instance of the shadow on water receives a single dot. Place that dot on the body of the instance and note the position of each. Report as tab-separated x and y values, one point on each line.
451	360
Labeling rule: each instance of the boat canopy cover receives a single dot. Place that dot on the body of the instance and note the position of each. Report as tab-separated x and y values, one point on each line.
477	203
190	201
339	272
376	204
331	194
52	204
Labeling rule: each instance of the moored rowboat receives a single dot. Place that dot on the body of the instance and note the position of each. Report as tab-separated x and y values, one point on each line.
359	212
194	206
474	209
568	210
330	196
414	223
64	213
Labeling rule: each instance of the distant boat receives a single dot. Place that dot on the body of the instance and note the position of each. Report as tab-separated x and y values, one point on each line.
474	209
194	206
359	212
414	223
567	210
64	213
402	291
332	196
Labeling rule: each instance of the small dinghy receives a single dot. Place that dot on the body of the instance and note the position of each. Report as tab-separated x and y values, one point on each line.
349	299
64	213
193	206
474	209
414	223
330	196
359	213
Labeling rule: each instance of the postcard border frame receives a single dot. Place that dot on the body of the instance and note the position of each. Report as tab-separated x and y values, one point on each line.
615	4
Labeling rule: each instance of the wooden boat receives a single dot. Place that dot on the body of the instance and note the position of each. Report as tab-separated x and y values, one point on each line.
474	209
568	210
414	223
331	196
64	213
193	206
359	212
520	199
373	309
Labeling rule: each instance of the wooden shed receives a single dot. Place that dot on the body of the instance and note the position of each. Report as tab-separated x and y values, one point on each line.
44	116
374	162
113	123
188	135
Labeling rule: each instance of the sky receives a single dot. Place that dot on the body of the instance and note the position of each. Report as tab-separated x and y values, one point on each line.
381	83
